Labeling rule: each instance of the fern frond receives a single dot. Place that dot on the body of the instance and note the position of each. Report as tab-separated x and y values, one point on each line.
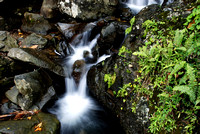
183	79
177	67
191	74
186	90
179	37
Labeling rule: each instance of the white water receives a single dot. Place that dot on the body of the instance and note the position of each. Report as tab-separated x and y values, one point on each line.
74	109
137	5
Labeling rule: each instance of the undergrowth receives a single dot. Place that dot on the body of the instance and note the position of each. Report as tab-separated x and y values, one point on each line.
170	65
169	73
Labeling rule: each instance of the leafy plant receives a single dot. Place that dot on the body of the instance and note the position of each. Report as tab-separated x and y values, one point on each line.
132	21
169	66
110	79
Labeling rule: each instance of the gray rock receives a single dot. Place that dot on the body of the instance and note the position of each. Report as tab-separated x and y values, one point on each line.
32	90
87	9
9	107
34	39
38	58
45	98
35	23
7	41
12	94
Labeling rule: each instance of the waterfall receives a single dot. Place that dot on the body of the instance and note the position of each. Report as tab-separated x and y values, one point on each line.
137	5
75	109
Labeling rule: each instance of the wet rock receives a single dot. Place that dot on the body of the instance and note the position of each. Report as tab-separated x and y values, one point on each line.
7	41
32	90
38	58
71	30
50	125
35	23
49	9
111	37
34	39
78	69
9	107
88	9
131	122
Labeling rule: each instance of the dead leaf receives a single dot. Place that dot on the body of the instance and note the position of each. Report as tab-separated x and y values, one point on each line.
29	118
110	92
38	127
190	24
34	46
190	9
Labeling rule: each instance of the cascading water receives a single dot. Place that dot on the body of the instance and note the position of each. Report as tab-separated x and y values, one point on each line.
137	5
75	109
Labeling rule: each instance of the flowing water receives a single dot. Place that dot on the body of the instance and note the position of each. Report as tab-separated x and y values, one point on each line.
137	5
75	109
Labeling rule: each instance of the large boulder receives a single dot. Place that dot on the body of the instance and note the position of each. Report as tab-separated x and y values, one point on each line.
34	40
38	58
35	23
87	9
133	112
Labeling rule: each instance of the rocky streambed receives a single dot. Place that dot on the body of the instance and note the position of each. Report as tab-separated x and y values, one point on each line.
33	48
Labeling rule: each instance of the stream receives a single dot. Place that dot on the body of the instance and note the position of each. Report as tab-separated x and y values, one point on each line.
76	110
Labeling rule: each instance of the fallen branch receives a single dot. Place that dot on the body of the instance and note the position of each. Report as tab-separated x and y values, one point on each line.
17	115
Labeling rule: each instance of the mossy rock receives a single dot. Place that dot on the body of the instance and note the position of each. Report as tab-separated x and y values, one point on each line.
50	125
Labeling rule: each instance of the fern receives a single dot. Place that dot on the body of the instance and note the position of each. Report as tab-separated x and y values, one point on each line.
177	67
179	37
186	90
191	73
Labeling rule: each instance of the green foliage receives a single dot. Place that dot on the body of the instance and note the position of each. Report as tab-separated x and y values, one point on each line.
132	21
123	51
124	90
193	20
110	79
169	64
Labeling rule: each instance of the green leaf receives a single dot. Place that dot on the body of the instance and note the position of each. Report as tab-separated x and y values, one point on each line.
143	54
182	49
